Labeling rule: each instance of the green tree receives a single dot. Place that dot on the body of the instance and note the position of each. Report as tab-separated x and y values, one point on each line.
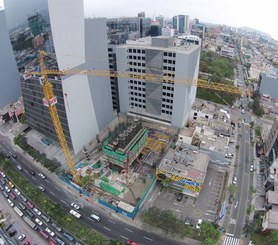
209	233
86	182
23	118
273	237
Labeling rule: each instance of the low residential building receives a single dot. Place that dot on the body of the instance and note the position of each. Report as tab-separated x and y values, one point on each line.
186	136
184	169
270	221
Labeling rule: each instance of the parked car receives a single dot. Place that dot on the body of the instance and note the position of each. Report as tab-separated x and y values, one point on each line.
188	220
199	222
130	242
5	194
29	213
179	197
68	236
77	207
12	196
18	166
10	202
58	228
31	205
32	172
75	214
37	211
21	205
17	192
39	222
24	199
234	180
21	237
11	184
12	232
50	232
41	188
7	189
251	167
46	218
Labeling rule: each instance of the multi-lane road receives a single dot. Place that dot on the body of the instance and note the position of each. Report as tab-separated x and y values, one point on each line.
108	226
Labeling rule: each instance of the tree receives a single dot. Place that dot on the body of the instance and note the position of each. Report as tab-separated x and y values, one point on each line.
86	182
273	237
209	233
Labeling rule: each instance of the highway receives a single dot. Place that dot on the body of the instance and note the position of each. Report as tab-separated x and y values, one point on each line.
108	226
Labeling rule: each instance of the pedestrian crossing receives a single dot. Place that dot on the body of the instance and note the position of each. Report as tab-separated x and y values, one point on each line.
231	241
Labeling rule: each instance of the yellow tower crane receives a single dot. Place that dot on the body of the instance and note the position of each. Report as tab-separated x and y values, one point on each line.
50	100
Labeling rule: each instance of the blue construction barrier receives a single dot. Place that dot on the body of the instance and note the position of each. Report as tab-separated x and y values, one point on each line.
76	187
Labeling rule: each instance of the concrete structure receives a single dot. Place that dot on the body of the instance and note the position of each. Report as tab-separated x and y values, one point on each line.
270	221
184	169
227	51
202	111
268	85
181	24
169	101
168	32
185	136
88	99
190	39
10	80
271	142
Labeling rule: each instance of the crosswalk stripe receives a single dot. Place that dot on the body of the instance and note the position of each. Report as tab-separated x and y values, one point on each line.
231	241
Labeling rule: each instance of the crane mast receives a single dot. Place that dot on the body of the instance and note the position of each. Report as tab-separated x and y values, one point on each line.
50	101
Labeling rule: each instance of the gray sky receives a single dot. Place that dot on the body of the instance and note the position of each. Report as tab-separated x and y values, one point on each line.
257	14
261	15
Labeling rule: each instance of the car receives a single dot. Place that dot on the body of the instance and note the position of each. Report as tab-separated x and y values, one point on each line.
75	214
1	188
7	189
68	236
199	222
18	166
2	174
5	194
234	180
38	212
179	197
242	111
11	184
229	155
77	207
50	232
188	220
2	181
17	192
41	188
24	199
46	218
12	232
29	213
31	205
7	155
251	167
45	141
38	221
95	217
32	172
41	175
44	234
60	241
130	242
12	154
21	237
58	228
12	196
10	202
21	205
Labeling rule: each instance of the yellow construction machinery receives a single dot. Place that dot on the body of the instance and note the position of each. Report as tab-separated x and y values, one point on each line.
50	100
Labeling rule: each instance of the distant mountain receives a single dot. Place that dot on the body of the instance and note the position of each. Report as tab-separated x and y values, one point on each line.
249	29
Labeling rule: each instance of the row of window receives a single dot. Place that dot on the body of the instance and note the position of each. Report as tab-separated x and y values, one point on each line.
137	94
168	68
137	105
169	54
138	100
167	100
137	88
136	57
168	88
166	112
168	94
138	51
137	82
137	64
167	106
137	70
169	61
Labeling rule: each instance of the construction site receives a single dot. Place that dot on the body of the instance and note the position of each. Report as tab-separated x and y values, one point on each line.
123	171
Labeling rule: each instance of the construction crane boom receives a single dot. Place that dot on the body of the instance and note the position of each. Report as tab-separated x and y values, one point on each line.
50	101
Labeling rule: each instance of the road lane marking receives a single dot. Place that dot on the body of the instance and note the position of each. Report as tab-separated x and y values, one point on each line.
123	237
106	228
47	180
63	201
229	234
33	178
111	221
25	171
148	238
57	188
128	230
52	193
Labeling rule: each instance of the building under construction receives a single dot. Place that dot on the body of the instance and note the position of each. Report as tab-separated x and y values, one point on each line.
125	144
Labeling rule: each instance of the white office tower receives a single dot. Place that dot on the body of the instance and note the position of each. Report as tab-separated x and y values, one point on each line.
82	44
169	101
9	79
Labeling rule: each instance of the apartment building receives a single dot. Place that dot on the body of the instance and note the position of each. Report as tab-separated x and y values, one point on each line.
167	99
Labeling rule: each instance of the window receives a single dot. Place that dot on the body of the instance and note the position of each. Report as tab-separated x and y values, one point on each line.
164	67
139	51
165	61
169	61
139	57
110	49
134	57
165	53
143	58
174	54
135	82
170	54
130	57
134	51
143	51
130	50
164	87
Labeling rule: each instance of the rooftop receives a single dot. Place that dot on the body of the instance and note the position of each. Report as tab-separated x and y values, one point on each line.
272	197
187	132
215	143
186	162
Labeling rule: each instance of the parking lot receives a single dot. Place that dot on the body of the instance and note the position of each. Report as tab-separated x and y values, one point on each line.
206	205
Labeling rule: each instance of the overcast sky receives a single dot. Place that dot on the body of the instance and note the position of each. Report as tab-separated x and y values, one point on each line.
261	15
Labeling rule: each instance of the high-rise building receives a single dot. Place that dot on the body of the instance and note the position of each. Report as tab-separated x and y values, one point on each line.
181	24
169	101
271	142
84	102
156	29
36	24
160	19
10	80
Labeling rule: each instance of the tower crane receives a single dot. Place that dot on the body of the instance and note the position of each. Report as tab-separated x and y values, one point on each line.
50	99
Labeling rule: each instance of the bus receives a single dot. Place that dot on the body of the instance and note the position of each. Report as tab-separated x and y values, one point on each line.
29	222
18	211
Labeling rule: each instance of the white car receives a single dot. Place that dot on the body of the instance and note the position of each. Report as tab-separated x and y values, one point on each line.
17	192
3	175
75	214
77	207
10	202
234	180
251	167
41	188
198	225
50	232
7	189
39	222
37	211
21	237
42	175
